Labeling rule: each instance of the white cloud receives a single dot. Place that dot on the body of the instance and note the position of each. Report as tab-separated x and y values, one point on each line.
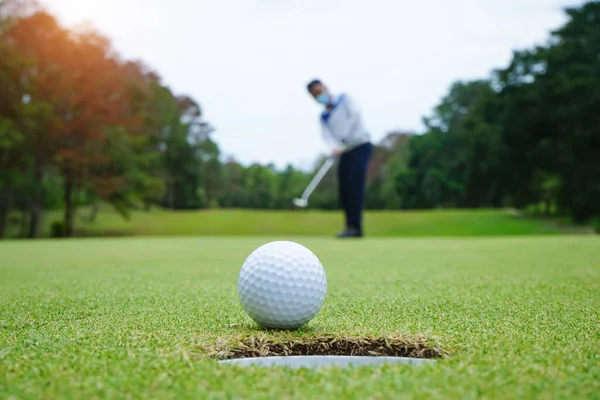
247	61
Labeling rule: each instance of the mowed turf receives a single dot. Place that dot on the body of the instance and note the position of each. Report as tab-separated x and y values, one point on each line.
310	222
130	318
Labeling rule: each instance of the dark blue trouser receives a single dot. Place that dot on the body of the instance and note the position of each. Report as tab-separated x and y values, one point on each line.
352	176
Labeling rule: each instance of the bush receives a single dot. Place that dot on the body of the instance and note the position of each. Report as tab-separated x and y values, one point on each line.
57	229
596	224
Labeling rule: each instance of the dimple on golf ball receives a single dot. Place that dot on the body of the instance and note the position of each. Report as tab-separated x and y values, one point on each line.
282	285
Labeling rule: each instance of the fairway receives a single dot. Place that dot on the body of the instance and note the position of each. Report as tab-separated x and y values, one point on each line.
226	222
107	318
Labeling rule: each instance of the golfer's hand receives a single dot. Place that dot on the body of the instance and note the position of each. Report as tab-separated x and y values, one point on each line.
336	153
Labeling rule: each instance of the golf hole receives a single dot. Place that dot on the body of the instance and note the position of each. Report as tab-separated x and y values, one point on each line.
322	351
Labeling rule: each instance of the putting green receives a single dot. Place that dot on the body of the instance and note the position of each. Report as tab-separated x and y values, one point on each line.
113	318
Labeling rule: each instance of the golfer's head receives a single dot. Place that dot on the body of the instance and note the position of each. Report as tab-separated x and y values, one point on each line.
319	91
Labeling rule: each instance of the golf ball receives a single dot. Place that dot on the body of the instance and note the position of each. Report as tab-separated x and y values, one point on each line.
282	285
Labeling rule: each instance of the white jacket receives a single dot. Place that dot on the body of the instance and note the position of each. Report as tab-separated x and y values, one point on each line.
343	126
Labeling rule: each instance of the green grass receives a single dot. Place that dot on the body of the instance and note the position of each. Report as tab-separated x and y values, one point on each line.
127	318
308	222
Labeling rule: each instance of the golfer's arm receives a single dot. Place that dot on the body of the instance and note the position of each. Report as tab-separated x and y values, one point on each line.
330	139
353	118
352	123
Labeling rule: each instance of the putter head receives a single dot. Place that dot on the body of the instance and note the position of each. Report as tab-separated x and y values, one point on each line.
300	203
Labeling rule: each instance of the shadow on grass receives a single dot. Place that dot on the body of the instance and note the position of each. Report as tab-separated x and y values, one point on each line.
559	224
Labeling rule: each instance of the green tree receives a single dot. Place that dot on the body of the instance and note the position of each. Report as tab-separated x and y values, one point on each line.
550	97
233	193
389	160
438	159
211	171
260	186
34	43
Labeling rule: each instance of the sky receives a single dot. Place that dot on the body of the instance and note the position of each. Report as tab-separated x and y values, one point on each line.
247	62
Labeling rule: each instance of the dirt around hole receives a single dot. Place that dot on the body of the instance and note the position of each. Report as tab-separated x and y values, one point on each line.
265	346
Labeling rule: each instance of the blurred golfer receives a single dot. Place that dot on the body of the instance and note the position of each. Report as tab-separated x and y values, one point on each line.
344	130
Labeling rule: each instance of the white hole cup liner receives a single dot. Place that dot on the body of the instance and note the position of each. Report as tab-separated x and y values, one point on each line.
323	361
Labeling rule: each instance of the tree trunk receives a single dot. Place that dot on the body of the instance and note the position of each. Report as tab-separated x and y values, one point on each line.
34	218
35	209
94	212
171	194
69	206
24	223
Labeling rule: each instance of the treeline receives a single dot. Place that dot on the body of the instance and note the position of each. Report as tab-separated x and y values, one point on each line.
80	126
527	137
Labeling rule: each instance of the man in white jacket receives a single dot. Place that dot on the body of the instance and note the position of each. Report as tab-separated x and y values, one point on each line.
344	129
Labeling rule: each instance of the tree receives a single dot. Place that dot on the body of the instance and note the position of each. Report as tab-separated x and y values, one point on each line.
549	101
211	171
389	160
35	42
571	79
234	184
181	159
438	159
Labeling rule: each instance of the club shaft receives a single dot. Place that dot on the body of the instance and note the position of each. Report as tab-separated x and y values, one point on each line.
317	179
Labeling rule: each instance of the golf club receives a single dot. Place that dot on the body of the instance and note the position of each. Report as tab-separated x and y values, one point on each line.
302	202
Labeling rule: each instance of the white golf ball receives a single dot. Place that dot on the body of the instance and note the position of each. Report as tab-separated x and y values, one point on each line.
282	285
